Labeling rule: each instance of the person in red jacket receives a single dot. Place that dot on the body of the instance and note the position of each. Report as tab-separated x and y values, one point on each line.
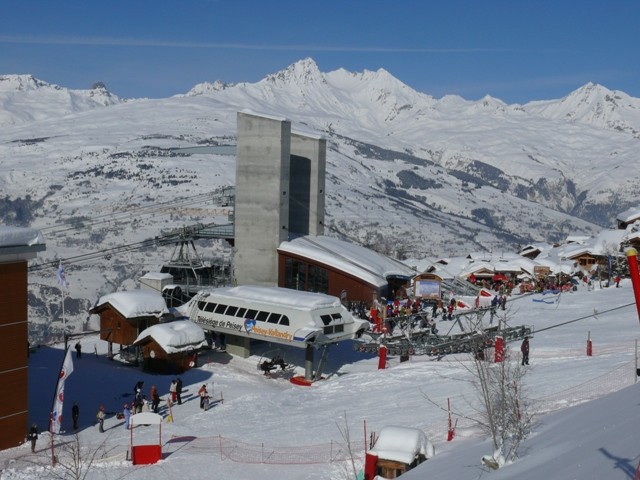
204	397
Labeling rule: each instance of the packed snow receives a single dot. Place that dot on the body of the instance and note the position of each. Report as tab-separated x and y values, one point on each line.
136	303
265	427
173	337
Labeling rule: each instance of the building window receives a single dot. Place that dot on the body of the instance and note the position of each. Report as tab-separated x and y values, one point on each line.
301	275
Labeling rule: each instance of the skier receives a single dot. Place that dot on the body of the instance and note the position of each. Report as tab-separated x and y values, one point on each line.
138	387
524	348
495	301
204	397
179	391
33	436
450	308
173	390
78	350
100	416
75	414
155	399
127	416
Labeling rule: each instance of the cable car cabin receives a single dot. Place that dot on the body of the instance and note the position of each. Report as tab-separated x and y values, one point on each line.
274	314
396	451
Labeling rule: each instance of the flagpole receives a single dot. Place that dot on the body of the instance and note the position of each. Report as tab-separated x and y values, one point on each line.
62	281
53	457
64	322
53	404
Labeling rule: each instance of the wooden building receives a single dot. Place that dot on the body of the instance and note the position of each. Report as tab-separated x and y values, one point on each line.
334	267
626	218
124	315
171	348
17	247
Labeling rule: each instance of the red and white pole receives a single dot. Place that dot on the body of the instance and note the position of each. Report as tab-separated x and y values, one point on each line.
589	345
498	349
450	432
632	259
382	357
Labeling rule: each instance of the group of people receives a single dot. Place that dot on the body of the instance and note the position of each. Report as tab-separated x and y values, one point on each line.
139	404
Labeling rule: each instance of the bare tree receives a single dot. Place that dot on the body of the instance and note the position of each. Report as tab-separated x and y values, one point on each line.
75	461
503	413
351	472
501	409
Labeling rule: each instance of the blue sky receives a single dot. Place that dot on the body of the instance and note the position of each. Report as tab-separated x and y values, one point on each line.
515	50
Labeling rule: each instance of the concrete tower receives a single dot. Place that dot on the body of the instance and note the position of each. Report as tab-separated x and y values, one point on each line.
280	183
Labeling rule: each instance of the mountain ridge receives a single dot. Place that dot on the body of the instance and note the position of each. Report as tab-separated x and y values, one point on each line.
407	174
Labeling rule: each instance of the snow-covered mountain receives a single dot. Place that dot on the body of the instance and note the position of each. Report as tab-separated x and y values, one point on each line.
24	98
407	174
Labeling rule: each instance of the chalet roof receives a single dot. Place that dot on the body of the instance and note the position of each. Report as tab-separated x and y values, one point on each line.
464	266
607	242
632	231
135	303
363	263
174	337
629	215
402	444
535	247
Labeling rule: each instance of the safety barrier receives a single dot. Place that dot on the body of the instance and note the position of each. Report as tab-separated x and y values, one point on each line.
243	452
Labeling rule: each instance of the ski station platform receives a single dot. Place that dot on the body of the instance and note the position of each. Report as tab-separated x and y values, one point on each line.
412	335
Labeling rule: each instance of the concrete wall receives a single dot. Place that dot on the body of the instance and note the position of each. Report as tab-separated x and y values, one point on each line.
262	197
308	168
280	190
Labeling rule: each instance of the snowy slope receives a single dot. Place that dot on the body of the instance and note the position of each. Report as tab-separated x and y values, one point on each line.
586	424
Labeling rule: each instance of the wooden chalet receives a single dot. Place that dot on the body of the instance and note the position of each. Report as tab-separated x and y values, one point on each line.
171	348
626	218
350	272
124	315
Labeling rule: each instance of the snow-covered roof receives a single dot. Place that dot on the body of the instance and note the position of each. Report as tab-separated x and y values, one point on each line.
535	247
607	242
278	296
363	263
136	303
577	239
632	231
18	237
174	337
464	266
475	267
156	276
402	444
629	215
420	265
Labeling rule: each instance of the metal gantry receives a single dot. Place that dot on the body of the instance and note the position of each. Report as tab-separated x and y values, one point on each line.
412	335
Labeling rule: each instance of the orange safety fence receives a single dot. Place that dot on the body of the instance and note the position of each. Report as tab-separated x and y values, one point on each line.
243	452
